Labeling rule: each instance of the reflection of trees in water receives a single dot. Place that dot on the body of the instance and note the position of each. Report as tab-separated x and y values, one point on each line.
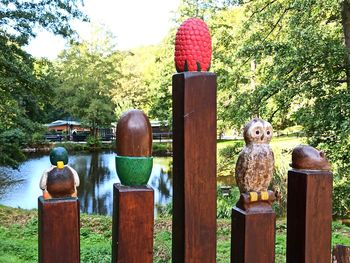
6	181
92	176
164	185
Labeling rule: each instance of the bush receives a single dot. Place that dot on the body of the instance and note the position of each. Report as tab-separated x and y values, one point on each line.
11	143
164	211
93	142
162	149
225	203
339	156
279	181
341	197
227	159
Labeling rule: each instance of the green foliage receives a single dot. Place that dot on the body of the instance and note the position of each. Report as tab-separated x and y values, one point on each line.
93	142
279	181
227	158
224	203
84	147
341	199
164	211
11	142
89	72
25	83
162	149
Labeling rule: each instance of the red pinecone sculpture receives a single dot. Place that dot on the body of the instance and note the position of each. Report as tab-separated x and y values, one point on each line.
193	46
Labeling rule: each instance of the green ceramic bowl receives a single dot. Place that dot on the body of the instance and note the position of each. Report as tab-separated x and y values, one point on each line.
133	171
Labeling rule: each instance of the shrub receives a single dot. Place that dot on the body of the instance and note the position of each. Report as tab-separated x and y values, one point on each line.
227	158
11	143
162	149
93	142
341	190
225	203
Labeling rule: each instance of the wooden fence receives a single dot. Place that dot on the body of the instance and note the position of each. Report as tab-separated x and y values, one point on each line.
194	202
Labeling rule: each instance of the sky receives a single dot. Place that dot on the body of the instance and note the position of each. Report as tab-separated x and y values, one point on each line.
133	22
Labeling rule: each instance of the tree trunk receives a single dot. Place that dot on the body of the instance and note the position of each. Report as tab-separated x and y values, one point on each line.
346	29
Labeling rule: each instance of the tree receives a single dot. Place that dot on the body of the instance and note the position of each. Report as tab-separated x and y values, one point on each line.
88	73
300	50
25	87
138	70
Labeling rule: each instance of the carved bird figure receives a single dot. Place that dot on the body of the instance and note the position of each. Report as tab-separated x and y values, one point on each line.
255	164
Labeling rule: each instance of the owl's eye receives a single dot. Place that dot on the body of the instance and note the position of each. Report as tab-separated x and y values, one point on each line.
268	132
257	132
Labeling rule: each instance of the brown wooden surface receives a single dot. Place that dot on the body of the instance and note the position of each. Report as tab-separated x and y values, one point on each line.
133	220
253	236
341	254
59	230
60	182
259	206
309	216
194	167
134	134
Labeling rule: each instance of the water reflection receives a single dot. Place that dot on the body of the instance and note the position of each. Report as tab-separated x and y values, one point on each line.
20	188
97	176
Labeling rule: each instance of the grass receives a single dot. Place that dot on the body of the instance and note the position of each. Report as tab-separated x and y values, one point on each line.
284	142
18	237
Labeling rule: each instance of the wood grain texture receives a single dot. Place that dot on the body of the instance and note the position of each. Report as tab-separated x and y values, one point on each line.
133	221
253	236
194	157
134	134
59	230
309	216
341	254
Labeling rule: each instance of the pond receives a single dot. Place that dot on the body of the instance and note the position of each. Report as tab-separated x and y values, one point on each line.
20	188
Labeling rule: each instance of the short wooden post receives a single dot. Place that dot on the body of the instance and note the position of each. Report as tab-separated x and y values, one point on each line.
309	216
341	254
253	231
59	230
194	155
133	219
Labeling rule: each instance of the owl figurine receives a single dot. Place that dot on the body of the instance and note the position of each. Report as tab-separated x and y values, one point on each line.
255	164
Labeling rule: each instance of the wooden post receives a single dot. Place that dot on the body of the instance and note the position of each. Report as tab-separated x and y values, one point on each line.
253	231
309	216
341	254
194	156
133	219
59	229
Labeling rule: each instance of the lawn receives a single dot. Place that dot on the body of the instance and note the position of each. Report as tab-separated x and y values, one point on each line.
18	237
284	142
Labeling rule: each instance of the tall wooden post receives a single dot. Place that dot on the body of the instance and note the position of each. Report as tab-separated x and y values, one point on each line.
309	216
194	155
59	230
133	219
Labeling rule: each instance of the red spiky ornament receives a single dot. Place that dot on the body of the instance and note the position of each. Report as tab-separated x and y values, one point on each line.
193	46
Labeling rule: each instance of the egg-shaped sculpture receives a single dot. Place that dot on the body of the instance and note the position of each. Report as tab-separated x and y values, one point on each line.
134	160
134	134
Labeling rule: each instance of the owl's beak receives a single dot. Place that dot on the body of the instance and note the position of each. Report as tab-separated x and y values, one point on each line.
262	137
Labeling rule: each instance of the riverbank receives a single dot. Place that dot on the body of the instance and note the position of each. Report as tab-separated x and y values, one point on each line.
18	237
160	149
